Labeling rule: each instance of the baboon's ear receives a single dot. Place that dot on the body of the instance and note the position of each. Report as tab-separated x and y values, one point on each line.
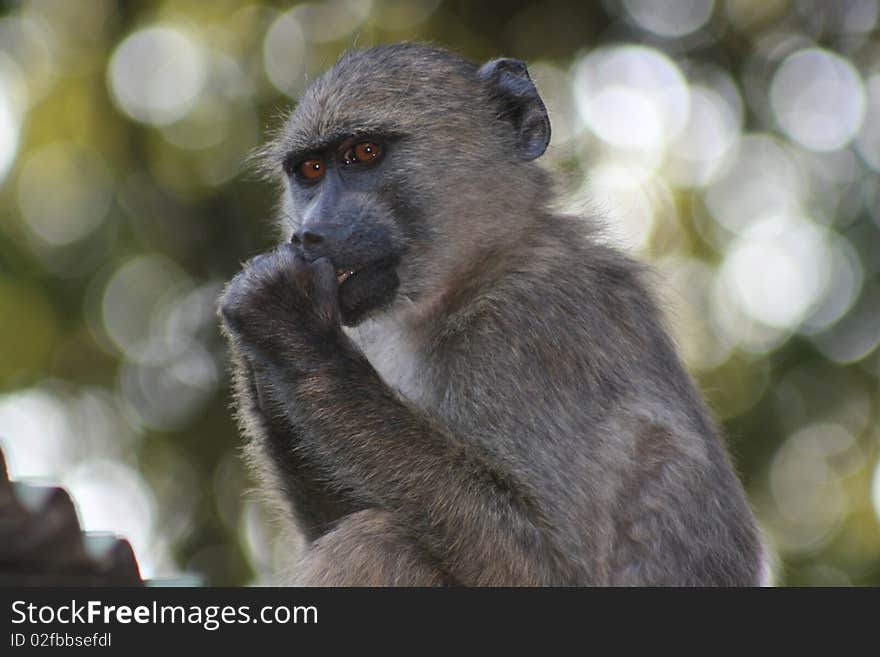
519	103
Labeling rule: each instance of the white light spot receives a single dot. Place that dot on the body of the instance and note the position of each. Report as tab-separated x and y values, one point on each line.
845	277
157	320
113	497
805	482
32	45
857	334
624	196
711	132
670	19
33	428
818	99
632	97
9	132
46	430
131	300
14	99
627	118
283	54
64	192
868	139
859	15
762	180
166	395
157	74
208	124
777	270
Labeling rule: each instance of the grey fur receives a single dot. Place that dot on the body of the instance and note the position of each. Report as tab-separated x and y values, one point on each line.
516	413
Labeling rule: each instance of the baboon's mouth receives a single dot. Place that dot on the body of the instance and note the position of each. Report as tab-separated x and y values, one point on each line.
344	273
365	288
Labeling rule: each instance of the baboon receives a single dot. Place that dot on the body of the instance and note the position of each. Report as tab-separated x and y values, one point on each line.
452	383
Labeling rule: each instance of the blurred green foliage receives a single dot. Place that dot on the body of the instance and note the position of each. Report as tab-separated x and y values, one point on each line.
124	205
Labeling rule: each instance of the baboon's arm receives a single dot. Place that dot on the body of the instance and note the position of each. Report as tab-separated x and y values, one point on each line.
317	503
481	525
332	410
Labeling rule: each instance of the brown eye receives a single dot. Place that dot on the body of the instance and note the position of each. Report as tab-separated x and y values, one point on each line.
312	169
365	150
361	152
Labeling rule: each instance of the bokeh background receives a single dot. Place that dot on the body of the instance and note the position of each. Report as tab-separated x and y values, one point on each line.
735	144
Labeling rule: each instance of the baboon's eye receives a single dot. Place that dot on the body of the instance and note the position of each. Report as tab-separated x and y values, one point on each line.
312	169
366	150
363	151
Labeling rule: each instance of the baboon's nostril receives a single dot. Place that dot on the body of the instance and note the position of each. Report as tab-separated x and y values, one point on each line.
311	237
307	237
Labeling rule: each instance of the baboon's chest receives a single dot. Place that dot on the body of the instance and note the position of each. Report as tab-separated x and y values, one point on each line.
392	353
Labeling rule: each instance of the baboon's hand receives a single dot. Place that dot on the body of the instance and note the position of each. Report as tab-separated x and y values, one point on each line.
280	300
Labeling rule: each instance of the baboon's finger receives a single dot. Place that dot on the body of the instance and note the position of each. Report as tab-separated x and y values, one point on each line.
326	290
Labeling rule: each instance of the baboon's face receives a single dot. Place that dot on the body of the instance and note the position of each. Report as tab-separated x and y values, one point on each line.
392	158
366	157
340	193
